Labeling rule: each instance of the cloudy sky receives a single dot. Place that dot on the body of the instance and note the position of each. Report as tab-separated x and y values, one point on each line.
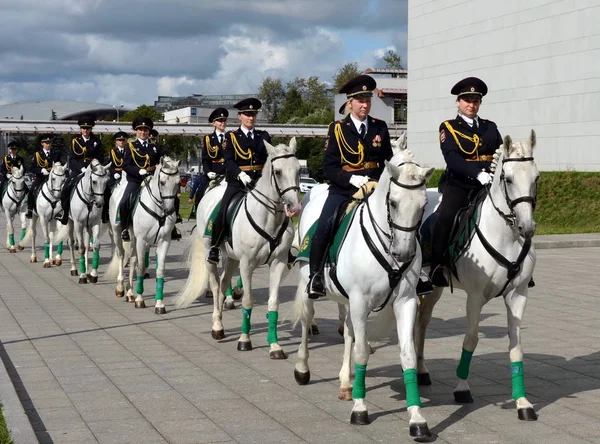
131	51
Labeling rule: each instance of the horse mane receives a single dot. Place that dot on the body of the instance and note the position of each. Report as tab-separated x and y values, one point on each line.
406	156
495	159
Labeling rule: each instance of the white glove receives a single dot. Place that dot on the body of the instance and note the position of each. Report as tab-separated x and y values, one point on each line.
358	181
244	178
212	175
9	176
484	178
116	176
83	170
143	172
45	172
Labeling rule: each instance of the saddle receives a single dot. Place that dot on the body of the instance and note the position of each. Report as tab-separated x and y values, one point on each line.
461	234
132	201
230	214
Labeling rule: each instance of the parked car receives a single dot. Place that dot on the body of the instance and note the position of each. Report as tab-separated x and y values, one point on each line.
306	183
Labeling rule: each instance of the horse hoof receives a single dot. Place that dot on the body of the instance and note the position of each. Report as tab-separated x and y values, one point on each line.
32	260
20	248
301	378
314	330
51	261
47	265
140	304
130	298
463	397
360	418
218	334
527	414
12	250
423	379
238	293
58	262
341	330
119	293
208	294
146	275
345	394
74	273
93	279
419	431
160	310
244	346
229	305
83	280
277	354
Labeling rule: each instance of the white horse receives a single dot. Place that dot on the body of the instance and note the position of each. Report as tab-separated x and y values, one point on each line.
13	203
261	234
153	222
47	207
85	217
498	262
378	266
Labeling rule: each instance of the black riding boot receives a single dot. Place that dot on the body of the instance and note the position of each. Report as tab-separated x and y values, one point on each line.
217	232
29	213
316	286
65	202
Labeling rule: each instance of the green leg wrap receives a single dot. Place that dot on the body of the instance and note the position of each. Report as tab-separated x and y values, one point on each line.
146	259
11	240
359	390
59	248
239	282
96	260
462	371
23	231
140	285
160	284
412	388
81	264
272	335
246	314
229	291
46	251
518	385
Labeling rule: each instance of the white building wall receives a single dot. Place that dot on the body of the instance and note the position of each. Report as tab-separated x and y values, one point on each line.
539	58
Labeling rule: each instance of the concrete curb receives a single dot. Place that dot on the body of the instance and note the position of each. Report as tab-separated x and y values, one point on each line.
547	244
17	421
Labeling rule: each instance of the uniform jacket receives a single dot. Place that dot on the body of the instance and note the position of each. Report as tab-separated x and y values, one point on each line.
41	161
212	155
344	150
241	151
468	150
137	158
82	153
117	159
9	162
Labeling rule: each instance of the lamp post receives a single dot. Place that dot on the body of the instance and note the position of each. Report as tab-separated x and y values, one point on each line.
118	108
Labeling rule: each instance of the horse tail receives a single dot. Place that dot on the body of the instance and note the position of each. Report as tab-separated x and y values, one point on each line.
28	236
299	310
380	326
197	280
61	234
112	270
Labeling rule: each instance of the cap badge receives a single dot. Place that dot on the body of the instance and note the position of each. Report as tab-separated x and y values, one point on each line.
250	107
472	89
364	87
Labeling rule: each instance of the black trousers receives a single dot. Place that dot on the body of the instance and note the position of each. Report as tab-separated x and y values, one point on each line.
233	187
455	198
124	210
318	247
35	189
107	193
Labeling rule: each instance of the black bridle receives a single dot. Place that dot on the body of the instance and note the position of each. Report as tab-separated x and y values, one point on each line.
16	190
83	195
52	202
159	202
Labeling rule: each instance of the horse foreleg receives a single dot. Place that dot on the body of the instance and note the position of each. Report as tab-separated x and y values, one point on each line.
46	231
93	275
277	272
238	290
424	314
72	251
357	321
137	263
23	229
244	343
515	305
161	255
10	231
217	331
342	311
405	310
462	392
305	310
33	228
82	248
229	266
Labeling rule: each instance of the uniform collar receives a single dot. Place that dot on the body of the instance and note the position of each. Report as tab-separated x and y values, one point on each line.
218	133
144	141
469	120
247	130
357	123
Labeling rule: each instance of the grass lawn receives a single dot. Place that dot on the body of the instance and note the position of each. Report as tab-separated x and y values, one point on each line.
4	433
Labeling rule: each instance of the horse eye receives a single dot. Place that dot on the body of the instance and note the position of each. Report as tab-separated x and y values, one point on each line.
394	205
94	182
278	173
509	180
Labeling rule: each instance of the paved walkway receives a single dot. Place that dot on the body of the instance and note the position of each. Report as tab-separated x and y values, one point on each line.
87	367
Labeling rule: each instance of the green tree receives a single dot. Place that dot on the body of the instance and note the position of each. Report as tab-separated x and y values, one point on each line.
272	94
392	60
144	111
292	105
317	93
345	73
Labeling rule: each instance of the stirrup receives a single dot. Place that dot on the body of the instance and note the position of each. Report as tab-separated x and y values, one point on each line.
125	235
213	255
424	286
437	277
316	287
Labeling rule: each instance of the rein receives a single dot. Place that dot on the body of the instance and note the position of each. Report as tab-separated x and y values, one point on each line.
15	190
159	202
82	194
51	202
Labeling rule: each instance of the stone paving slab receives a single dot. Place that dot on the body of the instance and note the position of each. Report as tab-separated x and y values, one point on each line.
87	367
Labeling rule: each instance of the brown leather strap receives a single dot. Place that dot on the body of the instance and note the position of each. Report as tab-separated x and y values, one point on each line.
481	158
251	167
364	166
218	161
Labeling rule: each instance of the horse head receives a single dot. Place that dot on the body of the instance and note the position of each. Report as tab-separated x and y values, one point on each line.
95	179
514	188
404	183
282	170
57	179
17	177
167	180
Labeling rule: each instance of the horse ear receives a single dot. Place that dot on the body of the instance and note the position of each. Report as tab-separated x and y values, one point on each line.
107	166
532	139
270	148
392	169
178	163
507	144
399	144
427	173
293	145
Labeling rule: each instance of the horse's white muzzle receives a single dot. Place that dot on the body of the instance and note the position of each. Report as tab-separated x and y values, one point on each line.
292	209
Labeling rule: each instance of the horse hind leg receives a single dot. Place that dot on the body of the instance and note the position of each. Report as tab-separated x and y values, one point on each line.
21	246
245	343
424	313
161	255
138	250
345	392
304	310
10	231
93	275
358	316
515	305
278	269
